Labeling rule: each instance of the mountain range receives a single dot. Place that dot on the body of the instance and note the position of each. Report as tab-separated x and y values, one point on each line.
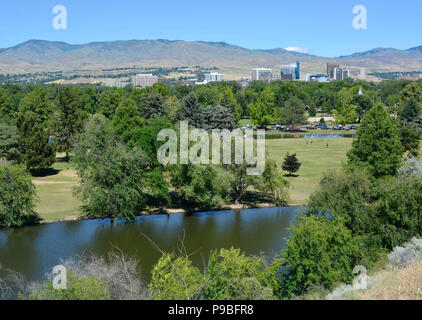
40	55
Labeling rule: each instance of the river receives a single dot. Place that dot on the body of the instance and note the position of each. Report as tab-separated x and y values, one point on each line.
35	250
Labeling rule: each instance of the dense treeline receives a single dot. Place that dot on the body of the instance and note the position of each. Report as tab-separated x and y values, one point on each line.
110	135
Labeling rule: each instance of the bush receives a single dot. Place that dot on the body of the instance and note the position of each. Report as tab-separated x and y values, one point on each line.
397	210
319	251
175	279
17	196
233	275
412	168
78	288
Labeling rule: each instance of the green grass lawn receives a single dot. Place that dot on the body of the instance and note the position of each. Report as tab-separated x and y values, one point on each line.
316	158
55	191
55	194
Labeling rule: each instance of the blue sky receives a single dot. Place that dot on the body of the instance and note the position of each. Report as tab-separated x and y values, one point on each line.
322	27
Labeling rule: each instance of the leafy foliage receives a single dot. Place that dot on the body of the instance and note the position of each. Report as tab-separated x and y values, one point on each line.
377	146
319	251
17	196
35	150
291	164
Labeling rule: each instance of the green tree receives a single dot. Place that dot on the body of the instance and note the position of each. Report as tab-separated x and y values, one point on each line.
6	111
377	146
410	139
202	186
191	110
293	112
312	111
154	106
109	102
291	164
262	112
324	99
113	178
35	150
319	252
17	196
69	120
8	143
37	102
127	121
344	194
410	111
217	118
411	91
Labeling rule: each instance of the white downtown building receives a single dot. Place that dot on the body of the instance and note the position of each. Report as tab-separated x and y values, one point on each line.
213	77
144	80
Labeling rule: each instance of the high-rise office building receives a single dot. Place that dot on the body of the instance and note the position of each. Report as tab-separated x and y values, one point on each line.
290	71
144	80
213	77
330	69
341	73
262	74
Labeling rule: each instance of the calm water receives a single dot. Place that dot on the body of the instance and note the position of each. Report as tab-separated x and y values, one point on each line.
33	251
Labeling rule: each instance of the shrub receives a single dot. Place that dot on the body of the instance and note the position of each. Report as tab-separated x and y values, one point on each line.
233	275
412	168
319	251
175	279
402	257
78	288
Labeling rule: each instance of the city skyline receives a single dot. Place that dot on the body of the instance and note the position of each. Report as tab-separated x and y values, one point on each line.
323	29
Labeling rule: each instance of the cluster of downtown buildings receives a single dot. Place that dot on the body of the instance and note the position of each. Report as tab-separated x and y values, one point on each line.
289	72
292	72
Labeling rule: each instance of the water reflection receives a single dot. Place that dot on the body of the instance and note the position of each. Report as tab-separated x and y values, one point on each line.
34	250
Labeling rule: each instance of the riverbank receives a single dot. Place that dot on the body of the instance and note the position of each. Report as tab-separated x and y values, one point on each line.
176	210
56	200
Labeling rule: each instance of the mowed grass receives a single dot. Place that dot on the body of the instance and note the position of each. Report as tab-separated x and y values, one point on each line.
315	157
55	194
57	202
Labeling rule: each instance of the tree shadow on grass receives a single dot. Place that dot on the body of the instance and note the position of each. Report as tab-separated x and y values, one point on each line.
254	198
41	173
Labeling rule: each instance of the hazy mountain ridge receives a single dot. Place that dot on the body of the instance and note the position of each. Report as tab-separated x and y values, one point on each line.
41	55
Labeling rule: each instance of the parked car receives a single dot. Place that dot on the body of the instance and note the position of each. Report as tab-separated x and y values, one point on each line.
247	127
338	127
352	127
293	128
322	126
261	127
310	127
278	127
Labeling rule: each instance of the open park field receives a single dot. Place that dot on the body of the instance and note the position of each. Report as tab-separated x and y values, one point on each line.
57	202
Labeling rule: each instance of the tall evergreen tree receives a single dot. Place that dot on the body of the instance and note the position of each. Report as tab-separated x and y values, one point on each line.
127	121
8	143
37	102
154	106
69	118
410	111
35	150
377	146
191	110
